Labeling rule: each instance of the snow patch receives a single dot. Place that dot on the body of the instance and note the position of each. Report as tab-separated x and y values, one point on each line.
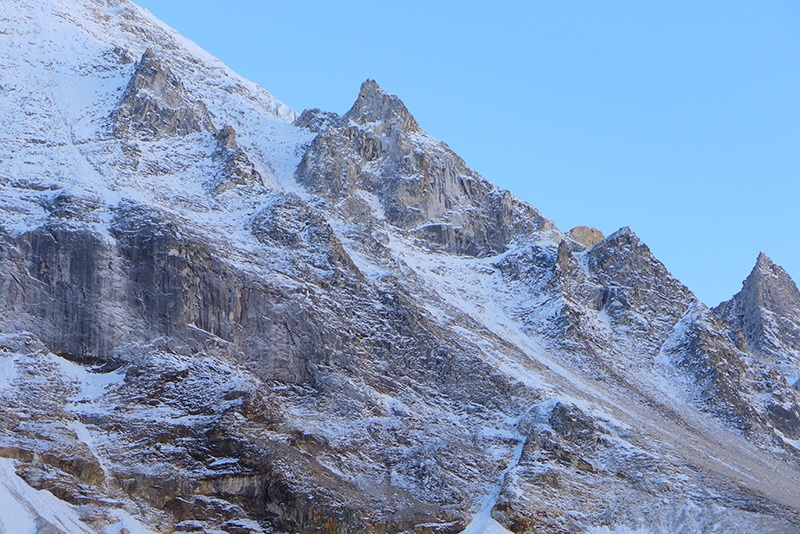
126	524
91	385
617	530
483	522
8	371
29	511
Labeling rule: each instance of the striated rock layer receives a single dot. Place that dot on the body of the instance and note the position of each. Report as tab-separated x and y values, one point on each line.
216	315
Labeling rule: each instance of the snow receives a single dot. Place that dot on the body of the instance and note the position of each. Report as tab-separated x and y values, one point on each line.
223	462
483	522
91	385
28	511
125	522
8	371
617	530
65	99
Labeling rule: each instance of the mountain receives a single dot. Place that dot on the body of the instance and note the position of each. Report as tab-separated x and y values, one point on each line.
217	315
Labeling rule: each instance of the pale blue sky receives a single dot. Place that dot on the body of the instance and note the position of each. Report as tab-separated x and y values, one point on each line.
679	119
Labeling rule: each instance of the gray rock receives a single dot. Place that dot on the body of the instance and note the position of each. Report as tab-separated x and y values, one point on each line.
156	104
394	349
767	313
236	167
377	147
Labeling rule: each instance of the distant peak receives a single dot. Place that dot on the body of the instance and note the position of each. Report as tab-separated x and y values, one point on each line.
370	87
766	278
763	261
376	105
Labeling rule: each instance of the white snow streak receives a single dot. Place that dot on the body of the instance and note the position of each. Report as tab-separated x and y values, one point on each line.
25	510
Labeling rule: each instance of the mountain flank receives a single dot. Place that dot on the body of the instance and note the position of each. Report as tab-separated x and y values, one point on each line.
220	315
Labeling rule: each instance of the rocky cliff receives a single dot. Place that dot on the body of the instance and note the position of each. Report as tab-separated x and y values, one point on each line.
217	315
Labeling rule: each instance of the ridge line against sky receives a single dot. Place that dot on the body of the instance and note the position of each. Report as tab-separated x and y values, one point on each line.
678	119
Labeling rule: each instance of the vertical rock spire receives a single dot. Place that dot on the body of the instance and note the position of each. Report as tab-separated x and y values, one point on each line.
767	313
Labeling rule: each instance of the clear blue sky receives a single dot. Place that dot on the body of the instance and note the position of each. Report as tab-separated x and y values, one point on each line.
680	119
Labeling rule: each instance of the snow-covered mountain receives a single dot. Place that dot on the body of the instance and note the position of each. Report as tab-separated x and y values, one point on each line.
217	315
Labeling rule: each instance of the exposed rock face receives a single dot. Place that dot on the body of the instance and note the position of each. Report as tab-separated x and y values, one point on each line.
156	103
237	169
377	147
764	318
331	324
639	292
588	237
766	313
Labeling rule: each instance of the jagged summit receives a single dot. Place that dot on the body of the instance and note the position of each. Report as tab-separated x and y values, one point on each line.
422	186
763	261
376	105
773	287
768	287
767	313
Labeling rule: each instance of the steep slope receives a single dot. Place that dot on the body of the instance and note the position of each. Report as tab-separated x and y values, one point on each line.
766	312
764	319
216	315
378	149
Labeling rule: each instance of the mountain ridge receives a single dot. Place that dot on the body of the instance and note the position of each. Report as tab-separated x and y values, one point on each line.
219	315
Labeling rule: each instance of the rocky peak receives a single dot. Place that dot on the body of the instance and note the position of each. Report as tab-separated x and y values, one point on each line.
768	287
639	292
772	287
588	237
763	261
767	313
156	103
378	148
375	105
